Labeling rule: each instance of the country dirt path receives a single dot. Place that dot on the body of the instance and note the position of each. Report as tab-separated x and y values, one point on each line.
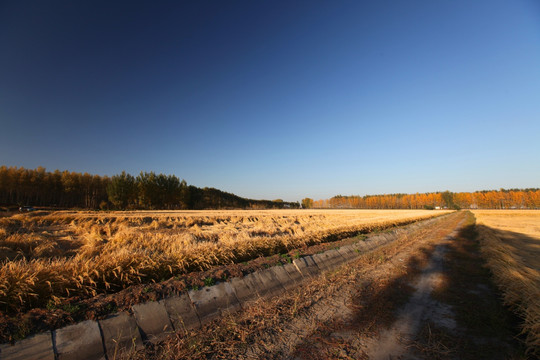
426	295
451	311
416	267
392	343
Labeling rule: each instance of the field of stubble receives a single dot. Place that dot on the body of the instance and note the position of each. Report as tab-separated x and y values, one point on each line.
46	257
510	241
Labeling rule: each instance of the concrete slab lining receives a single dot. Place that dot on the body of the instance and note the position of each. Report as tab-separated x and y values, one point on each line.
81	341
329	259
120	335
153	320
375	238
246	288
306	266
361	246
182	313
347	252
270	282
295	275
255	282
310	263
283	277
38	347
334	258
210	301
321	262
399	231
370	245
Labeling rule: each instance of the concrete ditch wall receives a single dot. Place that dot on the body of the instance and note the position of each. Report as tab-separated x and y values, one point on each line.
154	321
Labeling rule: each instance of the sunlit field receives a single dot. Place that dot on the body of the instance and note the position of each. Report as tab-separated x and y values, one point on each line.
521	221
50	256
511	243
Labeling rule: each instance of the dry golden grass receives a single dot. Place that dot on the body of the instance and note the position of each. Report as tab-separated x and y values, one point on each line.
511	243
45	257
353	300
522	221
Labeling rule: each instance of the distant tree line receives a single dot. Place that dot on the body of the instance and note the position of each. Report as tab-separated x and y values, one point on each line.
485	199
20	186
148	190
307	203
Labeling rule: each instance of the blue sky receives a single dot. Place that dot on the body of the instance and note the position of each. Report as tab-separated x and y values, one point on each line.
277	99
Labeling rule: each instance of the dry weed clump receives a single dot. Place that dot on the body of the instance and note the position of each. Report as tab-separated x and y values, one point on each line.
511	244
63	254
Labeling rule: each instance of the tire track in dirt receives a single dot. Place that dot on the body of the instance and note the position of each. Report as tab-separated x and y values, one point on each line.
393	343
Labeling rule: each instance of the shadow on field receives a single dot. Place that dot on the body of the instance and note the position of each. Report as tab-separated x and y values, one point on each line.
485	328
514	259
376	303
526	247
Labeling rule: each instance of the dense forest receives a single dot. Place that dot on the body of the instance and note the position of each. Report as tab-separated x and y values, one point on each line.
64	189
40	188
487	199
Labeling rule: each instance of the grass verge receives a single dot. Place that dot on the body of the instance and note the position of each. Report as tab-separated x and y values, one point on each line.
517	276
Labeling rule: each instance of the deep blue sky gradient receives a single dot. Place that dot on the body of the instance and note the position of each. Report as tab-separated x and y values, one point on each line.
277	99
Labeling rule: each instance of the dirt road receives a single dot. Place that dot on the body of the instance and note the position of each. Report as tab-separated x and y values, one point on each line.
424	296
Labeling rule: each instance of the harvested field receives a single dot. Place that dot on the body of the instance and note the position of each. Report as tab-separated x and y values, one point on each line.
343	314
48	257
510	242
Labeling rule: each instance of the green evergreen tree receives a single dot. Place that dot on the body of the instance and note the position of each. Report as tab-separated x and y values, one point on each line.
122	191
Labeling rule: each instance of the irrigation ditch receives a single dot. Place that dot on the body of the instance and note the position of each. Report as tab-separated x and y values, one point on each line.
154	321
